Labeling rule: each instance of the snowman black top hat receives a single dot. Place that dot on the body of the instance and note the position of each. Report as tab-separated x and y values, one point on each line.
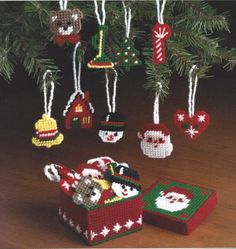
112	121
127	176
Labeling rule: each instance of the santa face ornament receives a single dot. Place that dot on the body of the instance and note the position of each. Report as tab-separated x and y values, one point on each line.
155	141
174	199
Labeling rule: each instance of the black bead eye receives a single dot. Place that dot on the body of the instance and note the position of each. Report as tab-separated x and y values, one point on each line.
115	134
106	133
93	193
131	189
59	23
69	23
123	186
90	175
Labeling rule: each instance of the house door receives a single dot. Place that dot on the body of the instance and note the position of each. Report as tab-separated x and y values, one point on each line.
75	122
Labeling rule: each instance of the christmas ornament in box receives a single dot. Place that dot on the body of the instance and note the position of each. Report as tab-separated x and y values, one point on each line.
100	199
177	205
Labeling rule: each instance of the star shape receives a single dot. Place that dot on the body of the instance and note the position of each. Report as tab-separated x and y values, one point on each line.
129	224
180	117
71	223
78	229
64	217
191	131
117	227
93	235
66	185
201	118
105	231
139	221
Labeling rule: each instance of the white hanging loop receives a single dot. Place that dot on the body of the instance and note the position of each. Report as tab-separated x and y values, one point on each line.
192	91
156	116
127	18
63	4
48	103
100	21
160	11
111	106
77	74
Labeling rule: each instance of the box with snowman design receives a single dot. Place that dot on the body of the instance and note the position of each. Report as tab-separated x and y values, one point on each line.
100	200
177	205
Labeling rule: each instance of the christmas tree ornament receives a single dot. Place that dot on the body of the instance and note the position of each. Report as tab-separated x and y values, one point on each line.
47	133
127	56
112	125
79	110
99	41
155	137
65	24
192	124
160	33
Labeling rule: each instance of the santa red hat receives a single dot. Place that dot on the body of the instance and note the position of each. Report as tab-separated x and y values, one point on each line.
153	127
179	190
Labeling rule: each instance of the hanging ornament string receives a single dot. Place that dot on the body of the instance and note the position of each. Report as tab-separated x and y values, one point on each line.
193	82
77	74
156	116
48	102
63	4
111	106
160	11
127	18
101	21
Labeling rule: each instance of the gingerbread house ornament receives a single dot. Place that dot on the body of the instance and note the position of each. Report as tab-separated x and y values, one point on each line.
78	112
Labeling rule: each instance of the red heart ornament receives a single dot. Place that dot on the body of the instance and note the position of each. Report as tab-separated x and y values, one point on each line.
193	126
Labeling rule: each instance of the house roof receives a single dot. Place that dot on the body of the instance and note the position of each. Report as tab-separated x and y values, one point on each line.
74	97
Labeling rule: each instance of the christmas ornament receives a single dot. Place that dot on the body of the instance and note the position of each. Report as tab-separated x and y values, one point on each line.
177	205
98	41
155	137
160	33
127	56
192	124
65	24
47	133
78	111
112	126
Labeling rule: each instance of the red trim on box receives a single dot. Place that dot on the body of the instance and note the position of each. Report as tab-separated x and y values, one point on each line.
174	224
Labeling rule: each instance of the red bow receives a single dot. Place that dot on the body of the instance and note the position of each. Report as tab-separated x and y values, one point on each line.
61	39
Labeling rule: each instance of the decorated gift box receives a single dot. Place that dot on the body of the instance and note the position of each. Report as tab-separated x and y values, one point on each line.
100	200
177	205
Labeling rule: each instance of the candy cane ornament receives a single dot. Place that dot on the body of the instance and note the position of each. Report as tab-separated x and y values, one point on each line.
160	33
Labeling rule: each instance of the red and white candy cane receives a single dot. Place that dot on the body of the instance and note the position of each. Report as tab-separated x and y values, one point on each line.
160	32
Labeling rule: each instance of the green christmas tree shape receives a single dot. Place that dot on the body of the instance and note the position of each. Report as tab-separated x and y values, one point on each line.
127	56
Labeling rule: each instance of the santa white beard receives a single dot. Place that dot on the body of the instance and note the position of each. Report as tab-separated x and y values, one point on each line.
153	150
164	203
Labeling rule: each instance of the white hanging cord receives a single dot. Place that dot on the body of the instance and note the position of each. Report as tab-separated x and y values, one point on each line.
111	107
63	4
48	103
77	74
160	11
156	116
127	18
192	91
100	22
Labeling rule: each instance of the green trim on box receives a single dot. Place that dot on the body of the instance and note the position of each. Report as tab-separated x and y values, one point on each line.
114	237
200	195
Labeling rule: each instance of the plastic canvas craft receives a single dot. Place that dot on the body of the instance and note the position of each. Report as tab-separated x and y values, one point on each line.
177	205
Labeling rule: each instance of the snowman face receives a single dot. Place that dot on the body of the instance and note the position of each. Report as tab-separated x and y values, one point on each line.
110	136
124	191
155	144
172	201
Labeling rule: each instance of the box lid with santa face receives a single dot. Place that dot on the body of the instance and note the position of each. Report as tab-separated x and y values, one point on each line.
177	205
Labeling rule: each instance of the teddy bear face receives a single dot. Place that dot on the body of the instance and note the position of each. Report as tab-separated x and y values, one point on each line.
87	192
65	22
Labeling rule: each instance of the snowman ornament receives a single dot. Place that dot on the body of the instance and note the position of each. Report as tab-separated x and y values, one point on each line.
125	182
